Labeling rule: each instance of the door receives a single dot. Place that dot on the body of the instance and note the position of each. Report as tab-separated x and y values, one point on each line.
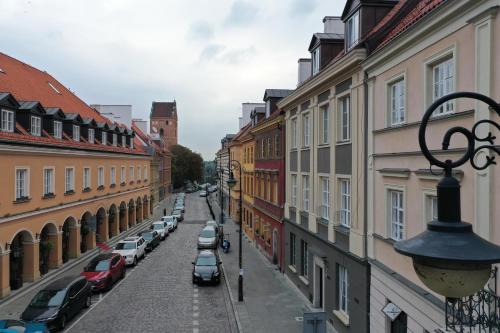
275	246
399	325
320	286
114	268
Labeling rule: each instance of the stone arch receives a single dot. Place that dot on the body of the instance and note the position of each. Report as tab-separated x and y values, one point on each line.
48	248
131	213
151	204
138	210
145	207
162	133
23	259
113	228
70	239
101	229
122	216
87	232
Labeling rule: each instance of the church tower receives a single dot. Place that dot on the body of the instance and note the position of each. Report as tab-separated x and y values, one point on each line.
163	122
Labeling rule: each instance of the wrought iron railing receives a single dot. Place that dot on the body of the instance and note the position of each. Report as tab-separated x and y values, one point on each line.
477	313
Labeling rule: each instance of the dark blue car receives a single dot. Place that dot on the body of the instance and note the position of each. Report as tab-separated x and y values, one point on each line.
16	326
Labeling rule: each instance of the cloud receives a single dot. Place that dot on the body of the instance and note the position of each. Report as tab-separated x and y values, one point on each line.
222	55
211	52
302	7
200	30
242	13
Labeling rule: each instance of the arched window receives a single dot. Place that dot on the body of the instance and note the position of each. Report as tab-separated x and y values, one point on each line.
161	132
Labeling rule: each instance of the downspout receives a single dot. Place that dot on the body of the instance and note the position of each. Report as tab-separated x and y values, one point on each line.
365	186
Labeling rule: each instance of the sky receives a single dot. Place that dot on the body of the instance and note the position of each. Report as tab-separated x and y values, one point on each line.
208	55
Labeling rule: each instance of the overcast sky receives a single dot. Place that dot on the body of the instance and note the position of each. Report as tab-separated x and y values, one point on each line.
210	55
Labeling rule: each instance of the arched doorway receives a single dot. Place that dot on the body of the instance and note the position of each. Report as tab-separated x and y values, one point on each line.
69	239
48	248
138	211
145	207
275	246
87	231
131	213
113	229
101	232
123	217
18	259
151	204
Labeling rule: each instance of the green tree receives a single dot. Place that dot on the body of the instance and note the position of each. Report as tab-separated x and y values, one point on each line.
186	165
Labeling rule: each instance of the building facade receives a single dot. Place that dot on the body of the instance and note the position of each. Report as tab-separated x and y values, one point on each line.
436	48
72	177
247	160
235	158
163	123
223	165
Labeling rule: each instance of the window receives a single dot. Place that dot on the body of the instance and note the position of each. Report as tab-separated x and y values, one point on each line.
122	175
325	198
76	133
91	135
345	203
48	181
115	139
104	137
315	61
69	179
343	288
269	148
124	141
262	149
352	31
131	143
22	181
305	193
139	172
36	126
293	250
324	124
86	178
276	145
58	129
442	84
305	123
145	172
294	133
100	176
397	91
7	121
345	118
294	191
112	176
397	215
131	173
433	208
304	257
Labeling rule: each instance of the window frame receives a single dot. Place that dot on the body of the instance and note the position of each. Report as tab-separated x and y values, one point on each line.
112	175
26	184
389	190
352	39
306	130
104	138
131	172
7	124
91	135
76	133
293	250
293	132
123	174
58	129
343	289
449	53
306	187
66	183
86	179
51	184
401	109
325	206
345	202
324	123
315	57
340	116
100	176
36	126
304	259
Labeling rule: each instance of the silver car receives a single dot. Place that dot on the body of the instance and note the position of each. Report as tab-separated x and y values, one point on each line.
207	238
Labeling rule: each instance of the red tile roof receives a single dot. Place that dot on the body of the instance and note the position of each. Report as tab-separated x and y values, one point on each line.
164	109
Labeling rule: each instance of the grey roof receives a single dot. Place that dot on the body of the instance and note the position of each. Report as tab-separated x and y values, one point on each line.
27	105
324	35
56	112
259	109
276	93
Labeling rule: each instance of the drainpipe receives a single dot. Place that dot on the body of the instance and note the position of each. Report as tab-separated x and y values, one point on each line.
365	185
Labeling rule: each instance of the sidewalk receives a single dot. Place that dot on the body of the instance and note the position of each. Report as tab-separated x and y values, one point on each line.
271	303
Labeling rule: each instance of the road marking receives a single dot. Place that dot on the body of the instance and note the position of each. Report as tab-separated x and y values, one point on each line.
195	301
195	295
196	323
195	330
195	307
196	314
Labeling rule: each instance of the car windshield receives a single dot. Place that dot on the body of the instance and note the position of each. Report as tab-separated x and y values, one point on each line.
176	212
158	226
46	298
207	233
98	266
125	246
147	235
206	261
168	219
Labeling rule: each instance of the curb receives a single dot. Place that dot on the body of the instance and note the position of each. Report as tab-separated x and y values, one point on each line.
233	306
49	277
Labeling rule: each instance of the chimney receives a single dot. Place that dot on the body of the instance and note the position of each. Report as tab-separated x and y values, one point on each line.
333	25
304	70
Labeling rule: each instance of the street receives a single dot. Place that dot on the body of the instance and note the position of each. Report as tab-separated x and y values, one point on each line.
158	295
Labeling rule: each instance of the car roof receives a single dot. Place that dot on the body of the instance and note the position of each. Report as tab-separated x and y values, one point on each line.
176	210
206	253
209	227
211	222
157	222
131	239
63	283
104	256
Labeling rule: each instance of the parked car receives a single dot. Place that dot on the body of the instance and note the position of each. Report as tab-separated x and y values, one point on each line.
104	270
160	227
218	228
203	193
177	213
212	189
131	248
59	301
206	268
152	238
19	326
179	206
170	218
207	239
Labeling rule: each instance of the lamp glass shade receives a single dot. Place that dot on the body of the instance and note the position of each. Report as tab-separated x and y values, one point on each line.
231	182
453	280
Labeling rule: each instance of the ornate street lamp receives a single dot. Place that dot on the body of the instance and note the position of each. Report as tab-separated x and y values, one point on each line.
449	258
231	182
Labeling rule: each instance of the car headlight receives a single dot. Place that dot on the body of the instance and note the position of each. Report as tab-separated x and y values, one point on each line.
216	273
54	316
196	274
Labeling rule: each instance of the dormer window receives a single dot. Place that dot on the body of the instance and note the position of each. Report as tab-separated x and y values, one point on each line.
58	129
315	61
115	139
91	135
104	138
36	126
131	143
76	133
352	31
124	141
7	121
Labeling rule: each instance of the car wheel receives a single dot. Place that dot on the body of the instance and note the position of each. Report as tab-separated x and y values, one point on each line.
62	322
88	301
135	262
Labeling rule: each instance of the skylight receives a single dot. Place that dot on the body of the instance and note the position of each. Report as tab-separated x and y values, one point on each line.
2	71
54	88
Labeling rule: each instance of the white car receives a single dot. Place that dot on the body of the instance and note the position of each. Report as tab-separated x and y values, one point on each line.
170	218
161	227
131	249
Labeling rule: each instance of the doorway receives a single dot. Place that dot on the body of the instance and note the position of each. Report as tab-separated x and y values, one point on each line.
319	283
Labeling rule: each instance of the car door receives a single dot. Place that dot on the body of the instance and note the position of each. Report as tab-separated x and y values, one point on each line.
72	306
114	268
142	246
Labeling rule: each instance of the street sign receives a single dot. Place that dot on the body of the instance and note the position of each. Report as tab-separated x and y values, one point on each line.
391	311
314	322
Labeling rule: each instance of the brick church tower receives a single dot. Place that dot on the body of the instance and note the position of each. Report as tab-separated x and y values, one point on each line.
164	122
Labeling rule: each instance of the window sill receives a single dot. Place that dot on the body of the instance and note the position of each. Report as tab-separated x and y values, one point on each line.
322	220
323	145
342	316
291	268
385	239
304	280
49	196
123	184
22	200
342	229
343	143
112	185
71	192
87	189
100	188
305	148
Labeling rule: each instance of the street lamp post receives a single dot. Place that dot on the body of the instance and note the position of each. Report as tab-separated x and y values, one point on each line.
231	182
221	199
449	257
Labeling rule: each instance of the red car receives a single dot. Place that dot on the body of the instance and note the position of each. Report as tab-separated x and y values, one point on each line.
104	270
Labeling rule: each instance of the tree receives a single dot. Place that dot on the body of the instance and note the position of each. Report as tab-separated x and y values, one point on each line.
186	165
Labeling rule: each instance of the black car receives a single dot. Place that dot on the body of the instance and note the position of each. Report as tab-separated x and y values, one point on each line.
206	268
58	302
152	238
